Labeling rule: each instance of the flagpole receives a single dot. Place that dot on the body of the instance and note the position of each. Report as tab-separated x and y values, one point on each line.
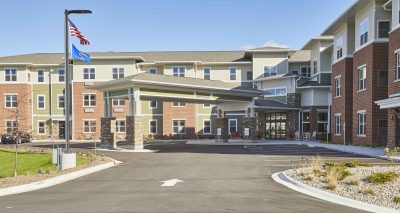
67	85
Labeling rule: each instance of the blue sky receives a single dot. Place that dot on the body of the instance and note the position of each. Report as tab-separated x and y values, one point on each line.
156	25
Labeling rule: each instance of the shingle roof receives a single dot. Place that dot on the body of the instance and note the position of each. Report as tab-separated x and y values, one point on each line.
261	103
301	56
271	49
312	84
274	77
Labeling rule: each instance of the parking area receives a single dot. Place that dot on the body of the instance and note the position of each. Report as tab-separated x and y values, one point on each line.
214	179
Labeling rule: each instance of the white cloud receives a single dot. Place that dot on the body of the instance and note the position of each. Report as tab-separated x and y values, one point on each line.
273	43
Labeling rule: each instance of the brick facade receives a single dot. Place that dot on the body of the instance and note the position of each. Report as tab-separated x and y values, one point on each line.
375	57
187	113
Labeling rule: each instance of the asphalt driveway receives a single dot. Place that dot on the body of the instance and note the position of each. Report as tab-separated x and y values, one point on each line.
216	179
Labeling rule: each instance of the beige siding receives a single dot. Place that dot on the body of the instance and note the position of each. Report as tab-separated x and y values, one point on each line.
104	68
289	83
366	13
21	73
269	59
381	15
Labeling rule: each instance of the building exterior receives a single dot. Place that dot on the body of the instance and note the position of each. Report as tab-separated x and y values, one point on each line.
343	83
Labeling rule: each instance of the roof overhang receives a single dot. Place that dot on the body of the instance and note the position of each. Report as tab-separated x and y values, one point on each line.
389	103
137	58
309	45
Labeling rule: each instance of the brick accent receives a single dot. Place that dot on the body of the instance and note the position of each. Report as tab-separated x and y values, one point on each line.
107	136
261	124
186	113
223	124
344	103
251	123
292	124
134	131
375	57
294	100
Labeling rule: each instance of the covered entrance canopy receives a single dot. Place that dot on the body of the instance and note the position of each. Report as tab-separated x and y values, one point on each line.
144	86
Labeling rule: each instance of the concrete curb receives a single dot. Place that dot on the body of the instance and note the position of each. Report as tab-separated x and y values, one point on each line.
56	180
282	178
126	150
241	143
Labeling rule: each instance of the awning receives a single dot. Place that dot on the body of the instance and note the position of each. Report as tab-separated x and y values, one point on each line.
389	103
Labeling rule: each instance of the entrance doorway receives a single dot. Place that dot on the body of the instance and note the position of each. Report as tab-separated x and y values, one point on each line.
61	129
275	126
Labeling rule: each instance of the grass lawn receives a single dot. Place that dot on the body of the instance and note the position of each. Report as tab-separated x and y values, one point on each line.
28	163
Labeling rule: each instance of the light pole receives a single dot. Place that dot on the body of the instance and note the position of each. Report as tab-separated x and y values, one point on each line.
67	75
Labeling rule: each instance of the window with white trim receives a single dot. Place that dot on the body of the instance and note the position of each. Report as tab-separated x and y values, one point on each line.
339	48
118	73
361	123
153	70
118	102
322	125
89	100
11	126
305	71
89	126
275	92
270	71
337	124
153	104
153	126
11	101
206	126
60	101
40	76
398	66
232	125
61	75
89	73
338	87
178	104
232	73
10	74
207	73
120	125
363	31
41	127
383	29
306	121
41	102
178	127
362	75
178	71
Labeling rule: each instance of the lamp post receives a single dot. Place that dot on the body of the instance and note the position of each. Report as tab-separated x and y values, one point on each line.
67	76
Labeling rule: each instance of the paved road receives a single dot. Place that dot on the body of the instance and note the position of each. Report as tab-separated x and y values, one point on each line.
216	179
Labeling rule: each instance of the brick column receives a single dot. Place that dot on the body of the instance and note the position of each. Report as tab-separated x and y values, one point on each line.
261	124
292	123
251	123
223	124
134	131
107	133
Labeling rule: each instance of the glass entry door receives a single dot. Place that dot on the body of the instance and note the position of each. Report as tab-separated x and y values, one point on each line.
275	126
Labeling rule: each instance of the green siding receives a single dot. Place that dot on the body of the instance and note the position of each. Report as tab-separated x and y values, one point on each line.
57	89
147	110
146	124
200	119
41	89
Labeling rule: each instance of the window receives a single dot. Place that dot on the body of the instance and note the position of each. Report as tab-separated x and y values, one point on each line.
10	74
89	73
120	125
178	127
337	124
153	126
153	70
118	73
206	127
41	102
178	104
118	102
232	73
339	48
232	125
249	75
383	29
60	101
89	126
295	72
207	73
382	128
89	100
179	71
207	105
270	71
41	127
363	30
362	75
315	66
361	123
322	122
275	92
40	76
398	67
306	121
153	104
61	75
11	101
11	126
383	79
305	71
338	87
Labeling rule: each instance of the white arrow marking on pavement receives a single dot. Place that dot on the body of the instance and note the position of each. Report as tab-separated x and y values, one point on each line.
171	182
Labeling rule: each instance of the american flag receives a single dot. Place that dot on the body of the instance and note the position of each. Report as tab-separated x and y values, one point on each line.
75	32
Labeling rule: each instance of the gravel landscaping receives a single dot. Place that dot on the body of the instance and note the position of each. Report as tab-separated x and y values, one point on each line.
379	185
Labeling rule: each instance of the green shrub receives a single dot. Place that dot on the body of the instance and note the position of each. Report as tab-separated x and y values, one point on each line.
309	178
396	200
340	170
379	177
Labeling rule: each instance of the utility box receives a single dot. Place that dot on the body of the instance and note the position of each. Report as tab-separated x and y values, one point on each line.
68	161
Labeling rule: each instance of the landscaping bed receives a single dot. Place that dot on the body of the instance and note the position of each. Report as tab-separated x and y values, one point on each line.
379	185
35	165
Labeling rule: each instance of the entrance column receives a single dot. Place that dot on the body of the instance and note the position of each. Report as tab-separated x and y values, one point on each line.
261	124
250	122
107	124
222	123
134	122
